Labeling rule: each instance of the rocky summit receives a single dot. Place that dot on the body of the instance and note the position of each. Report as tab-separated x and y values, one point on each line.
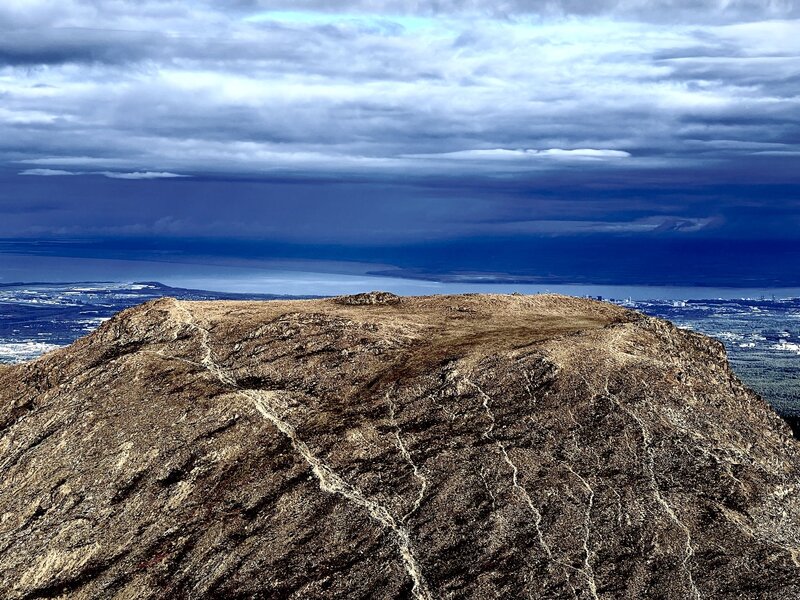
383	447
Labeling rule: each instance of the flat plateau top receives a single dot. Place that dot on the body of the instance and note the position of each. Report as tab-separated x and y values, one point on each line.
487	322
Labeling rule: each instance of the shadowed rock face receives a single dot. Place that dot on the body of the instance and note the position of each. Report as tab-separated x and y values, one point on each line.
383	447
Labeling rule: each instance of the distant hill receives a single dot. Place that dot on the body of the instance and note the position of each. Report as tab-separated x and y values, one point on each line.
38	317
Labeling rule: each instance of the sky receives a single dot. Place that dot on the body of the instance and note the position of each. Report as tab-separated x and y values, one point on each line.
523	141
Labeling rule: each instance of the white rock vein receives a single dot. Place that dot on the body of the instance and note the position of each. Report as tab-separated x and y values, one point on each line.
328	480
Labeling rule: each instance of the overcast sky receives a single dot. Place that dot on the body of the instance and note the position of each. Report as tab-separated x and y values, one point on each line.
372	130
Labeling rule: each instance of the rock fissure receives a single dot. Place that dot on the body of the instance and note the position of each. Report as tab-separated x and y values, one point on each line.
328	480
588	571
518	489
649	464
423	482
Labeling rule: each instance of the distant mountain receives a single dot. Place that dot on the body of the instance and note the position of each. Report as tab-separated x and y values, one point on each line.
38	317
383	447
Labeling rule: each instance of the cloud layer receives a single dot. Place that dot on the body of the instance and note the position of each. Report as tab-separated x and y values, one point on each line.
366	121
255	87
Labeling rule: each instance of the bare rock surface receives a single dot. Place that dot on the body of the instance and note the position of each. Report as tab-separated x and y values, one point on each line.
368	298
385	447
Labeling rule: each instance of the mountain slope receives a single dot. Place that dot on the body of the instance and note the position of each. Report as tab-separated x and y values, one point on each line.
384	447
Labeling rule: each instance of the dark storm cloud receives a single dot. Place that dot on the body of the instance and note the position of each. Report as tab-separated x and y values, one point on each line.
36	47
438	119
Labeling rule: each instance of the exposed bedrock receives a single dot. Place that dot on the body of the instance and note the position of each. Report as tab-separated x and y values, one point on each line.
385	447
